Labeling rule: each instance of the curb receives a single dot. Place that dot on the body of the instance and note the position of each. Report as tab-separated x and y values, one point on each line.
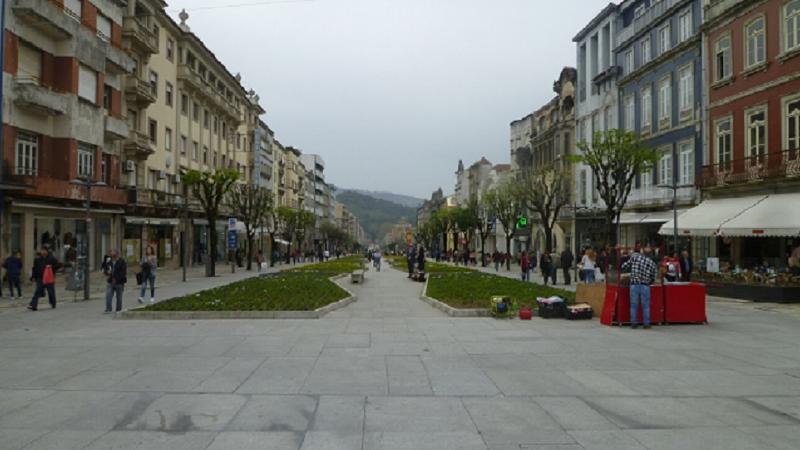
139	314
449	310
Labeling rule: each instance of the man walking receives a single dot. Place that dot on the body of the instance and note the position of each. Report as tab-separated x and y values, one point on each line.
567	258
643	274
118	276
687	265
43	274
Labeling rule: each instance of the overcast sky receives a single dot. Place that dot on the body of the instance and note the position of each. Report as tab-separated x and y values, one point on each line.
392	93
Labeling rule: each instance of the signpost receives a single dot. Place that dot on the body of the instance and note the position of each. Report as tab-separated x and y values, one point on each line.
233	242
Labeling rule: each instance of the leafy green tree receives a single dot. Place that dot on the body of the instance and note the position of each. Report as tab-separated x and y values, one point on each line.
615	157
210	189
503	203
447	219
252	205
546	191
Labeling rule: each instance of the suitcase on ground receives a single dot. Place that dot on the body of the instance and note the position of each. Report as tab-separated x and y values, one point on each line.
552	310
580	311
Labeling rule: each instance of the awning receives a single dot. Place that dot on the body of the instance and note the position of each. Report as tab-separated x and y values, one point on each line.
777	215
631	218
706	218
662	216
151	221
281	241
67	208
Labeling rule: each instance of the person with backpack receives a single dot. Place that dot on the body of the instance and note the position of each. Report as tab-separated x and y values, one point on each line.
44	275
148	267
117	270
13	266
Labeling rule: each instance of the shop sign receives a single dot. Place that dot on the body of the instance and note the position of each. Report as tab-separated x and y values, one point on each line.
232	240
712	265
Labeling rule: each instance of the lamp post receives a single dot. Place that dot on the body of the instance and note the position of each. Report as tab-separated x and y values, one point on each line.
89	183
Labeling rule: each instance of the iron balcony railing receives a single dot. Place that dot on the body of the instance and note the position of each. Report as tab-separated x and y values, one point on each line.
769	166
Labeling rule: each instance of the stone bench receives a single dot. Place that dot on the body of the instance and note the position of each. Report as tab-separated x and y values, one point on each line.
357	276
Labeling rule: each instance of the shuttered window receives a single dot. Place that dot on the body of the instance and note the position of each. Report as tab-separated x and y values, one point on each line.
103	27
87	84
30	64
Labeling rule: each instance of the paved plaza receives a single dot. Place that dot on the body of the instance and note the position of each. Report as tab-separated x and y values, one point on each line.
390	372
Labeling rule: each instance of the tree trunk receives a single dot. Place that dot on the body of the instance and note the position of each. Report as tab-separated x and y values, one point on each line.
212	246
272	249
508	251
611	229
548	239
250	239
483	251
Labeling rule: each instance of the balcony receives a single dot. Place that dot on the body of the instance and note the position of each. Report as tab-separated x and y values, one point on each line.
137	91
118	62
152	197
755	169
38	99
656	11
192	80
116	129
138	145
652	196
140	35
47	17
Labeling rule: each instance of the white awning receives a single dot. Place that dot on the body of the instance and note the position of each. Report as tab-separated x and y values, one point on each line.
777	215
151	221
631	218
662	216
706	218
281	241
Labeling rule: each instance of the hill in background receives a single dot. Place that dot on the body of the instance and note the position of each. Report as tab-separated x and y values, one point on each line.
400	199
376	215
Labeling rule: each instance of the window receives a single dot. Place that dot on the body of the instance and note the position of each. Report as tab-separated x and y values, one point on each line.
107	97
87	84
205	119
640	10
105	166
686	88
724	140
205	154
665	169
584	186
608	118
595	124
74	9
686	155
152	131
685	25
29	69
103	27
647	179
182	145
168	93
630	113
646	46
792	124
629	63
755	43
26	154
168	139
196	111
647	107
154	84
756	132
791	25
184	104
170	50
722	59
195	150
85	160
214	121
664	43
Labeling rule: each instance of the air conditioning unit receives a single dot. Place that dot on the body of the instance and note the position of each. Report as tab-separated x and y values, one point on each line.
130	165
162	175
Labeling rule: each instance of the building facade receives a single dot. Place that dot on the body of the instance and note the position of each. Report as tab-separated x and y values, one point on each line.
658	47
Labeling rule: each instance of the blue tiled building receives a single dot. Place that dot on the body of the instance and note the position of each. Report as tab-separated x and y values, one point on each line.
658	48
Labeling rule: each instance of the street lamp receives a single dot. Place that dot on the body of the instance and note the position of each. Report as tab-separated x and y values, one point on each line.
89	183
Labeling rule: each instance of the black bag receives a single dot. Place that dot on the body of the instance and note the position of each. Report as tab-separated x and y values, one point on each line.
552	310
139	278
580	311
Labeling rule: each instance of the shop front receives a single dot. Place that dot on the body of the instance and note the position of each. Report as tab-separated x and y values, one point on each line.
160	234
746	247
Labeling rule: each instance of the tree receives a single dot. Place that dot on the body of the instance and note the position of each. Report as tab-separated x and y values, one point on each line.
546	191
503	203
446	218
480	220
305	220
210	189
615	157
252	205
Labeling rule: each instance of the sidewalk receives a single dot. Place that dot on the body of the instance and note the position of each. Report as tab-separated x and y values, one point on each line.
169	284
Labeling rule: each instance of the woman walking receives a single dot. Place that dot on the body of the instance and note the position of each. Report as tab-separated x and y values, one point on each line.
148	266
588	265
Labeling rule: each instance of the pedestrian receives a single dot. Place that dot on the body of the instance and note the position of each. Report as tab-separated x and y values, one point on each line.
687	266
544	266
13	266
43	274
567	258
260	260
642	275
148	267
671	268
376	258
602	261
326	254
421	259
588	265
525	266
555	263
117	270
410	260
496	261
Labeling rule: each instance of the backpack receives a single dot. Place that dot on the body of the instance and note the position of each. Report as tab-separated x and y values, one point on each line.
48	277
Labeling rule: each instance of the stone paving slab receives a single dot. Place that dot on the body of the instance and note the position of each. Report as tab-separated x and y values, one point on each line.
391	372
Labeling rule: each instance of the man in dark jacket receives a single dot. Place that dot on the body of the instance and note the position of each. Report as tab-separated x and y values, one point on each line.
13	266
117	277
40	267
411	257
687	266
566	265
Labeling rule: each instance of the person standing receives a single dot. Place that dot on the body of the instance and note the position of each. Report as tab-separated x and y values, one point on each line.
118	276
525	266
588	266
643	272
13	266
148	266
544	266
555	263
44	275
567	258
671	268
410	260
687	266
421	259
